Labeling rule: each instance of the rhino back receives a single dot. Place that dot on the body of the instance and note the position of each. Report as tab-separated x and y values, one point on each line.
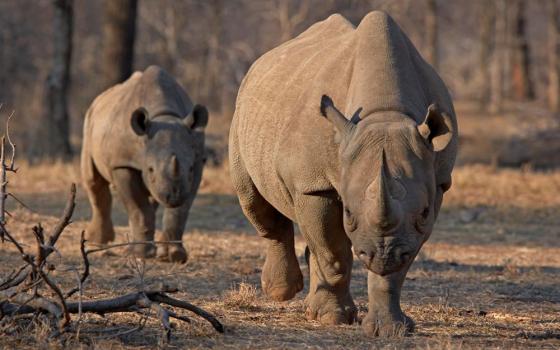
276	112
107	130
286	146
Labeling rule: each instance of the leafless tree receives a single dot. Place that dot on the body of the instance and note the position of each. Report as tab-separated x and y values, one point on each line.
522	85
431	22
553	55
499	58
289	18
119	29
210	83
487	16
52	139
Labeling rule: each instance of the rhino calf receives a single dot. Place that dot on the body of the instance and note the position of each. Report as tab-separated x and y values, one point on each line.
145	138
368	176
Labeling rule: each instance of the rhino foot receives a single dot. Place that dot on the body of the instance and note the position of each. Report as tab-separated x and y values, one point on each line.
143	251
284	290
99	233
174	253
281	277
385	324
328	309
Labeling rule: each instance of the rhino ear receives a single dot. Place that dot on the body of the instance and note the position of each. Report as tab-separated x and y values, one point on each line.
344	126
198	118
139	121
437	128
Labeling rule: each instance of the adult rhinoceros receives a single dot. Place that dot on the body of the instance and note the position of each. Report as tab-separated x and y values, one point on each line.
369	176
146	138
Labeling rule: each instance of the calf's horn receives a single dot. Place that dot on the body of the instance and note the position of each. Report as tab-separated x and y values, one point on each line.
174	166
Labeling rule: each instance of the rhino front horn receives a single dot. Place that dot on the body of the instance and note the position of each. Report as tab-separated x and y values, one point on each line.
386	211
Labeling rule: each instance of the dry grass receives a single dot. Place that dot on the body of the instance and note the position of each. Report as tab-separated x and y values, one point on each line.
241	296
476	185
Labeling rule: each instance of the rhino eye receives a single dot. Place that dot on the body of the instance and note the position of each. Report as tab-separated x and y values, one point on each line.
422	219
425	213
349	220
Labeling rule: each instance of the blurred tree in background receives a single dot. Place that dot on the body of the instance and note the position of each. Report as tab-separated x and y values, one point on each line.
119	30
52	137
495	54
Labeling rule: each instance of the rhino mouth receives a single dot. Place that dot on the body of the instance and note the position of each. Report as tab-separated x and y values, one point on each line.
172	201
381	264
384	269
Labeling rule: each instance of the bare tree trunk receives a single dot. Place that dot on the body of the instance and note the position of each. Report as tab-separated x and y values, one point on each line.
431	22
119	29
211	80
487	16
499	58
53	137
287	20
553	55
520	79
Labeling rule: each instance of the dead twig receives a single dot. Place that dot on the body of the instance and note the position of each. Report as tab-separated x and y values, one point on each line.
85	274
117	245
20	292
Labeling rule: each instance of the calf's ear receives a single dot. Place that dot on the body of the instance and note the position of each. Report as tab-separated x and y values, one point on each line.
198	118
437	128
139	121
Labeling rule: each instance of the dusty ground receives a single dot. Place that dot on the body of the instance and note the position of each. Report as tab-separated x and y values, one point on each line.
489	276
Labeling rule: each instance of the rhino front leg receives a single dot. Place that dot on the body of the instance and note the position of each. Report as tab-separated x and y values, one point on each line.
385	317
141	211
329	300
174	220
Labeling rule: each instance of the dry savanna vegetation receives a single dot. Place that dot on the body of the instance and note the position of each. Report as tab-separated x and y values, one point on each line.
488	277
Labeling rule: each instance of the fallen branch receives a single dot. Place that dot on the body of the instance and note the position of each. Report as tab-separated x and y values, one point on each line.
19	291
126	303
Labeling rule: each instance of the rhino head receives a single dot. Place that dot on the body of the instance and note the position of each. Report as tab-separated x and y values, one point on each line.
171	147
388	183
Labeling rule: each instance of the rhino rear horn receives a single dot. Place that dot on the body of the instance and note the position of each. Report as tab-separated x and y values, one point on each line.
437	128
139	121
340	122
198	118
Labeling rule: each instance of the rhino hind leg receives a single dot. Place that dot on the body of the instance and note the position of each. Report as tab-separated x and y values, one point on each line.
100	228
330	260
141	211
281	277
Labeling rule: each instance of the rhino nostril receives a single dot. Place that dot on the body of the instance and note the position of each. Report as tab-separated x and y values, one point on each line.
366	257
405	257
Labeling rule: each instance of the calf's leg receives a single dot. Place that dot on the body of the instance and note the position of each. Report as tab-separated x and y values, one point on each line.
141	211
174	220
